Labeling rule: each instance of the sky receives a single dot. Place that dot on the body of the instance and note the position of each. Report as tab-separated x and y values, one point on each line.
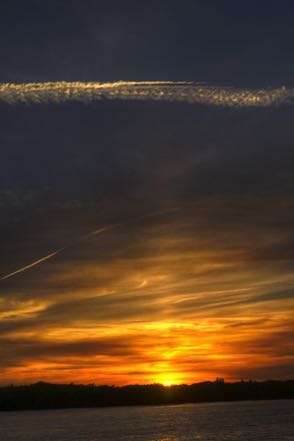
168	226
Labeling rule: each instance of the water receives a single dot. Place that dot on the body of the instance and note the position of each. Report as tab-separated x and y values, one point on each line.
242	421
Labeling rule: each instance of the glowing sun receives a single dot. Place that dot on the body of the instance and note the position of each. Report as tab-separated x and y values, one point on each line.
167	383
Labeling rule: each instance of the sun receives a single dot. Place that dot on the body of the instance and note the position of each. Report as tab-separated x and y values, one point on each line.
167	381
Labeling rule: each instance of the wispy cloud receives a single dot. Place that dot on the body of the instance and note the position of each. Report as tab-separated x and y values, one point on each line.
174	302
138	294
190	92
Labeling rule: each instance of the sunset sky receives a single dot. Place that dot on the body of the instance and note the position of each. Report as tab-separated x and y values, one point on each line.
172	222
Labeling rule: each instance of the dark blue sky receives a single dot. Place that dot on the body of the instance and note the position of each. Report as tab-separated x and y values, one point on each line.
221	42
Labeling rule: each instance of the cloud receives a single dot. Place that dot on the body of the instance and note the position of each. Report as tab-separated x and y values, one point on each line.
190	92
201	292
203	310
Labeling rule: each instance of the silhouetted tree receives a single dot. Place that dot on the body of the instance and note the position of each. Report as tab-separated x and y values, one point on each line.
50	396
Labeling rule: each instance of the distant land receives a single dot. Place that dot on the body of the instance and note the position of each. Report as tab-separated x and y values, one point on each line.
59	396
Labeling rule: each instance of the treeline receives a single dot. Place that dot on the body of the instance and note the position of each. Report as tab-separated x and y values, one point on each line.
53	396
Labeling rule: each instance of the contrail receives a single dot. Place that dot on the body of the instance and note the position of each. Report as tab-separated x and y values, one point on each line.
86	236
181	91
31	265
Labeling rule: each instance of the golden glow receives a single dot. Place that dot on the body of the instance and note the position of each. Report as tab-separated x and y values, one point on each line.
167	383
172	314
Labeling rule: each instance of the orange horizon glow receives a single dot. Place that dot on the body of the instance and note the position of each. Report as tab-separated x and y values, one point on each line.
172	314
176	357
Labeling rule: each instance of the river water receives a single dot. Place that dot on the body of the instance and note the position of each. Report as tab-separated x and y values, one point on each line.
239	421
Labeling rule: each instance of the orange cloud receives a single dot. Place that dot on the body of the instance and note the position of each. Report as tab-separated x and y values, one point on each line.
161	309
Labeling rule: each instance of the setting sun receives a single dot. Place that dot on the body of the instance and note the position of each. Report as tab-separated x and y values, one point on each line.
168	379
167	383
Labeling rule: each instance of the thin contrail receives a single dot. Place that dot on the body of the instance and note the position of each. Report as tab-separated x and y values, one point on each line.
31	265
182	91
85	236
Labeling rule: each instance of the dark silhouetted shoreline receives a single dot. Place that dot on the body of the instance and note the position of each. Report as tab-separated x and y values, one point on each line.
57	396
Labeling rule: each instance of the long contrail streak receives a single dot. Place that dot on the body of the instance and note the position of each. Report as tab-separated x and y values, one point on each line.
182	91
92	233
31	265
